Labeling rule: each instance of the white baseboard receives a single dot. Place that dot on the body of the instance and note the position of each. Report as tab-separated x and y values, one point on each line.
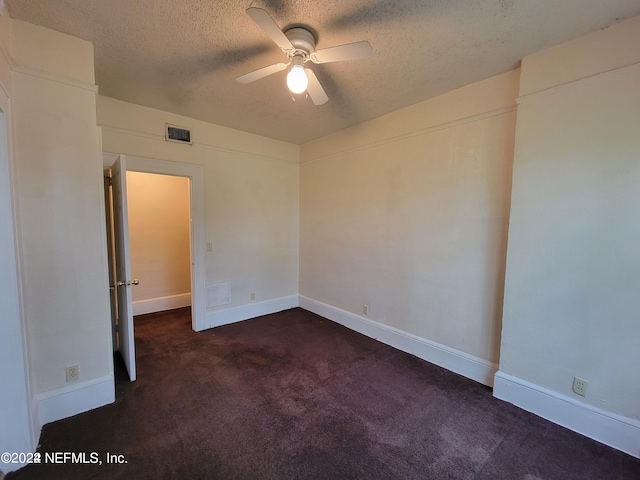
621	433
68	401
459	362
161	303
217	318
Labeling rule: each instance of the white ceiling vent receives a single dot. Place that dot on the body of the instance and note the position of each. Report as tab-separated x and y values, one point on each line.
177	134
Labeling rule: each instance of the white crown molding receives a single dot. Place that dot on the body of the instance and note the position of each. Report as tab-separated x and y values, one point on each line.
417	133
196	144
576	82
53	77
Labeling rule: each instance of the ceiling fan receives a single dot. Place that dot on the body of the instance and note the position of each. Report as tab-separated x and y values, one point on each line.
299	45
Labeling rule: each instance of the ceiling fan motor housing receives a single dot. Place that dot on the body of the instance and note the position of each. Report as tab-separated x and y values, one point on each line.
303	41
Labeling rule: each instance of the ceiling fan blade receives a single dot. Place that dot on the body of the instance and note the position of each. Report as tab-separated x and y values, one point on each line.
261	73
341	53
270	27
315	90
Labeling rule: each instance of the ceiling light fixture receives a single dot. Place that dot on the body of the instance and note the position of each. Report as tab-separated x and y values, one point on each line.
297	80
299	46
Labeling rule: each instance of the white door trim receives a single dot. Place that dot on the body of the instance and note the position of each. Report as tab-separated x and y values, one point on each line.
196	174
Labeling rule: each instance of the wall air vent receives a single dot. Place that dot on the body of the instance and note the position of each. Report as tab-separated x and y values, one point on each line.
218	293
177	134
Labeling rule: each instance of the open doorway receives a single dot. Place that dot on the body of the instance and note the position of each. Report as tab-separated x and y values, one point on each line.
159	241
121	283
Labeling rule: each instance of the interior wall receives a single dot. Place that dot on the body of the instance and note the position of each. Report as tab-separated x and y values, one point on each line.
15	415
573	269
408	214
15	433
159	237
60	219
251	198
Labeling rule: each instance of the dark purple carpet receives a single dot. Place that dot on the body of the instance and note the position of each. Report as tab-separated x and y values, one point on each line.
295	396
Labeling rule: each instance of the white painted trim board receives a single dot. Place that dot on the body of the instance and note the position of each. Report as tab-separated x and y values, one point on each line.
475	368
73	399
152	305
621	433
218	317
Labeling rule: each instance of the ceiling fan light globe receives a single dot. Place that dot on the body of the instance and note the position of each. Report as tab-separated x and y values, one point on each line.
297	80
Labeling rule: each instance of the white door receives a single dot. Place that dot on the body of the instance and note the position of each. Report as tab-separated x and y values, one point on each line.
123	266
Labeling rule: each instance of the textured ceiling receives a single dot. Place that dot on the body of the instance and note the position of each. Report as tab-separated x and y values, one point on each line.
183	56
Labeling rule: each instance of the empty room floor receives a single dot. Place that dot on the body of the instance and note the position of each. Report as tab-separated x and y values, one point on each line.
295	396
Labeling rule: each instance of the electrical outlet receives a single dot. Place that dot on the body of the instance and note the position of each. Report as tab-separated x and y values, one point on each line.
253	296
580	386
73	372
365	309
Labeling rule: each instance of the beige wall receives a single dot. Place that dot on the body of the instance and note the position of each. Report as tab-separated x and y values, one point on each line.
159	243
58	179
573	269
251	195
59	207
408	214
15	412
